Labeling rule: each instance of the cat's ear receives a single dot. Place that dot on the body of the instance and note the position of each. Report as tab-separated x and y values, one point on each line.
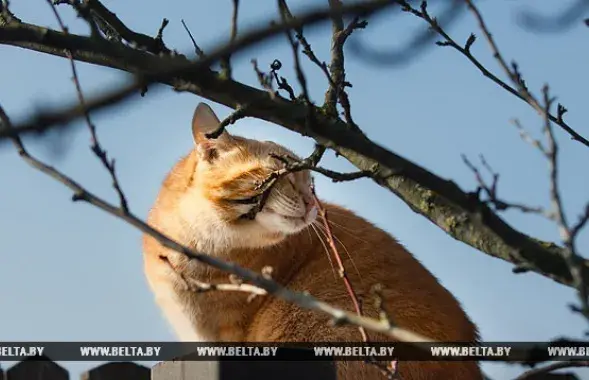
205	122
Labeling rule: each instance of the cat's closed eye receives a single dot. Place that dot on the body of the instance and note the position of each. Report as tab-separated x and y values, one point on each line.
246	201
246	213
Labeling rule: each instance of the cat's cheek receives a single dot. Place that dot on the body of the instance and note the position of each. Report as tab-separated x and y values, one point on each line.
270	221
276	223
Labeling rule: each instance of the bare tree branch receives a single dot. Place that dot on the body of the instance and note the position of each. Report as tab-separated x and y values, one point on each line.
292	165
261	283
571	255
460	214
387	372
392	370
203	287
303	300
441	201
491	191
340	264
556	213
170	71
336	90
139	40
307	50
520	90
197	49
96	147
226	61
416	43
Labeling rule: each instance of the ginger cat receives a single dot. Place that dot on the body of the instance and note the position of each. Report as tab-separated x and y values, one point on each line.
199	206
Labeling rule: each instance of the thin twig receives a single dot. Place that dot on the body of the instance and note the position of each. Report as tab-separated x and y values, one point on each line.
197	49
556	213
160	33
336	66
234	20
336	78
226	61
96	148
388	372
514	74
341	269
571	255
529	139
266	80
292	165
392	370
581	222
310	118
239	113
336	90
520	90
284	13
281	81
142	41
203	287
491	191
307	50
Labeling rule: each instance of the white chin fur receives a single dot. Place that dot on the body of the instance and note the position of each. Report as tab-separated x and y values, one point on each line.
277	223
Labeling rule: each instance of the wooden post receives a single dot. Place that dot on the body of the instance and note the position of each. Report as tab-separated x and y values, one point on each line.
118	371
37	368
243	370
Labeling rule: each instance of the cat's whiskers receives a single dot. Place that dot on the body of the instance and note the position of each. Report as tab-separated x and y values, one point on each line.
285	197
346	230
310	237
326	249
324	230
340	214
287	202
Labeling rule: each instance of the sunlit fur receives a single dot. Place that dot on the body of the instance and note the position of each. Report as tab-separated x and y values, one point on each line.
196	207
208	209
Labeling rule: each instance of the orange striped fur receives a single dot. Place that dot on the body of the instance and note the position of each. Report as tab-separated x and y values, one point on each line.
196	206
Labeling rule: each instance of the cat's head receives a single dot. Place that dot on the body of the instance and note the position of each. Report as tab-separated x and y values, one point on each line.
226	177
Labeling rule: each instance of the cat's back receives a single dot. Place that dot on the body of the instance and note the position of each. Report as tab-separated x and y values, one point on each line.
415	298
173	186
412	297
163	215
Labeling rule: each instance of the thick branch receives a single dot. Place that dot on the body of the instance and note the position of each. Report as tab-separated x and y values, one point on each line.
153	45
439	200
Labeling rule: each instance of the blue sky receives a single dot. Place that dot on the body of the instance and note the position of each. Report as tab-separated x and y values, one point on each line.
71	272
